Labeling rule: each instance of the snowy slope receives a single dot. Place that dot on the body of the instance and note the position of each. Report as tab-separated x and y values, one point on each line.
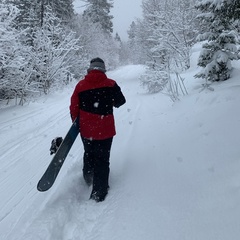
174	168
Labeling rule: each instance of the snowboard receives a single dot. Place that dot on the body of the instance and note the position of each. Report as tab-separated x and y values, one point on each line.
50	175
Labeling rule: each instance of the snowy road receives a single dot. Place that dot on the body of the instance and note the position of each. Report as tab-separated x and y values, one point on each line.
174	169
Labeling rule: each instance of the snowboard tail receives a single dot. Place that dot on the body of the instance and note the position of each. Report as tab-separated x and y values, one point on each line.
50	175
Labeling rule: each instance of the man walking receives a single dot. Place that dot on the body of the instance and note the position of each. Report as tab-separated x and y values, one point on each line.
92	101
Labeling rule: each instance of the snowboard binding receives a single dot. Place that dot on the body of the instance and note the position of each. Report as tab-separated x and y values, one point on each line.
56	142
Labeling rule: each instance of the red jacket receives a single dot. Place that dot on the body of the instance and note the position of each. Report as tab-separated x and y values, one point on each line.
93	100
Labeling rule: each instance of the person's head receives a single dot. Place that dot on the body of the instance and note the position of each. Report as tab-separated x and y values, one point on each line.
97	64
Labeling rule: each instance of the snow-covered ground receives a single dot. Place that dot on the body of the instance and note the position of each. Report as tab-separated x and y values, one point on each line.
175	167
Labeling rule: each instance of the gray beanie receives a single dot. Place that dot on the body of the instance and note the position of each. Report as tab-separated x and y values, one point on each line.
97	64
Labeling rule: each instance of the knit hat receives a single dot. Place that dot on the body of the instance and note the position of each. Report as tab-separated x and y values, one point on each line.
97	64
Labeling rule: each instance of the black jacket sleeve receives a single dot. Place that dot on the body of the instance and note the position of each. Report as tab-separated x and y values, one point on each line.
118	97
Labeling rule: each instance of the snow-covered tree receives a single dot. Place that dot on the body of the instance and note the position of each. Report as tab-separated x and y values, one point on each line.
33	68
63	9
14	61
169	32
98	11
222	17
39	52
53	52
31	12
117	38
96	42
137	47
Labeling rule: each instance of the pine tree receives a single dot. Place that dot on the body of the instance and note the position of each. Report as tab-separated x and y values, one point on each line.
63	9
98	11
137	46
31	12
220	49
117	38
96	42
28	15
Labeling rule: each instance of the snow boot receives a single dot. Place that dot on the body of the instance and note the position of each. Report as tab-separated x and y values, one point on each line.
98	196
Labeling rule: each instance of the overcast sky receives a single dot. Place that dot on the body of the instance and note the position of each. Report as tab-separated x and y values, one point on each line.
124	12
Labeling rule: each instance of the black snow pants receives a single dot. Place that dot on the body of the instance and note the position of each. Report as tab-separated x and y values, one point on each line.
96	166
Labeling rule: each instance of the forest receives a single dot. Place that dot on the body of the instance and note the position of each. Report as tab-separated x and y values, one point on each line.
45	45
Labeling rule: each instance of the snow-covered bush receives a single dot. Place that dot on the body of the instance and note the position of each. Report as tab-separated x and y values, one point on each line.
154	80
157	80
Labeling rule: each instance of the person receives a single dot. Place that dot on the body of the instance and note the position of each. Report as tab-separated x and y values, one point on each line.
92	101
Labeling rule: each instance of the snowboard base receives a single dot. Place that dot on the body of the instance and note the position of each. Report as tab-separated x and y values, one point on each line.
50	175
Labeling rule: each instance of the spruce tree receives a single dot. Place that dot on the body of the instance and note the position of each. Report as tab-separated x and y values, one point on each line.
63	9
28	15
31	12
222	17
98	12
